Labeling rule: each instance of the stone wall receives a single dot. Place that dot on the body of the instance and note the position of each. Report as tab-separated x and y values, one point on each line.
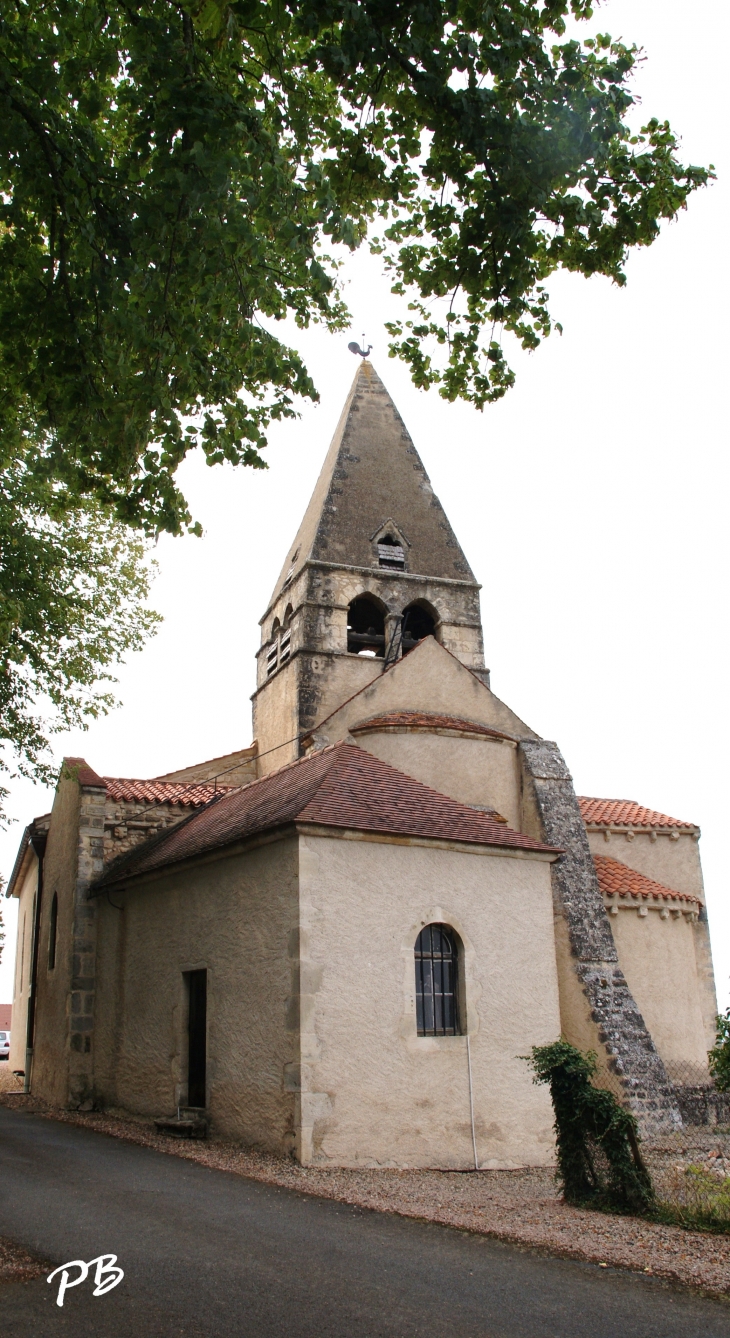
609	1004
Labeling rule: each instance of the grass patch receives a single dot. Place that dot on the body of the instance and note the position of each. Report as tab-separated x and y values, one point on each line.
695	1198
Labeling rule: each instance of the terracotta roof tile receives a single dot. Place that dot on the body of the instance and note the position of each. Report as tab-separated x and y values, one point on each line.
625	813
342	786
188	794
616	879
425	720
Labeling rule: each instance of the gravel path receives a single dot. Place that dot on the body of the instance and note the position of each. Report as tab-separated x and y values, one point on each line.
523	1207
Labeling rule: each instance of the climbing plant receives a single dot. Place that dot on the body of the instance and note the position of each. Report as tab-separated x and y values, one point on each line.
599	1160
719	1055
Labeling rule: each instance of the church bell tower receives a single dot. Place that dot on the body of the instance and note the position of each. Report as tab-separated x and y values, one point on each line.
374	568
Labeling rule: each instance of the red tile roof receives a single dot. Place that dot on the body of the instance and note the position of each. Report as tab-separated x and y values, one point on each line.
625	813
190	794
618	879
187	794
341	786
425	720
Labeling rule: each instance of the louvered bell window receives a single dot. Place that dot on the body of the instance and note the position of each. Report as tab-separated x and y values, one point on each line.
272	658
437	1005
391	555
285	647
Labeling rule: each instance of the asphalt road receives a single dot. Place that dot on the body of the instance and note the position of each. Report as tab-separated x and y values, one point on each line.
211	1255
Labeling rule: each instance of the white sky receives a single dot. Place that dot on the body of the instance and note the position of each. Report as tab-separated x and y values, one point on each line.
591	503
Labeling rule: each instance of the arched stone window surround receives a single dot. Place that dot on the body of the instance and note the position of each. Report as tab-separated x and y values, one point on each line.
285	636
272	655
469	988
420	611
364	636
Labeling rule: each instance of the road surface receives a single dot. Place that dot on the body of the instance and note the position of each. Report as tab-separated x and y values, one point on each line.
207	1254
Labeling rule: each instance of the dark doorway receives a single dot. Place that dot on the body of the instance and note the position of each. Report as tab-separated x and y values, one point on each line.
365	628
197	1013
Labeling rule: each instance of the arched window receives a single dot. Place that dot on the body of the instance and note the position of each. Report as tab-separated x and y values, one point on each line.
52	930
272	656
365	628
285	642
437	1001
418	623
390	553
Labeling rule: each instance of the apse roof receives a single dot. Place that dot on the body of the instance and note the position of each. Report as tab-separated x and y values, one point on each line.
341	787
373	476
426	720
626	813
617	879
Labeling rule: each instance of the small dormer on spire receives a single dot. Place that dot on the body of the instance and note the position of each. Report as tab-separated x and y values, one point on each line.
391	546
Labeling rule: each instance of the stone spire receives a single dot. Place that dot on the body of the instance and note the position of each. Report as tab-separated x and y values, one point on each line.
373	479
374	568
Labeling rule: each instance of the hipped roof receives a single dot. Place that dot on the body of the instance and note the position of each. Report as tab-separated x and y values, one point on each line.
340	787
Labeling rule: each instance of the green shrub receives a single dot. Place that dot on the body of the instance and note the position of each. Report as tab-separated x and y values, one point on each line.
599	1162
719	1055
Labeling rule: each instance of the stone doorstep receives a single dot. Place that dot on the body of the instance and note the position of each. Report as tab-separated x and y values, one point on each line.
188	1123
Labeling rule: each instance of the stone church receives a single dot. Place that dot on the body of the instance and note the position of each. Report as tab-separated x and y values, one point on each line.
340	942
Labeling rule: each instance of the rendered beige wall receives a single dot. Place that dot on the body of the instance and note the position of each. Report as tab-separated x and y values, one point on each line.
479	771
51	1052
275	719
237	917
23	953
658	959
372	1091
673	862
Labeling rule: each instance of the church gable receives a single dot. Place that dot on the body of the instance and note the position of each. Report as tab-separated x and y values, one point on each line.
428	679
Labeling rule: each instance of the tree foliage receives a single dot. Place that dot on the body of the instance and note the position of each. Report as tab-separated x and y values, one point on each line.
719	1055
599	1161
72	588
173	174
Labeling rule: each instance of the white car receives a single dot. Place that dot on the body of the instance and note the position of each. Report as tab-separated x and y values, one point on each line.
4	1044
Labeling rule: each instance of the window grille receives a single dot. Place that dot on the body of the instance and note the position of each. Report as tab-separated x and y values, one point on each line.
437	1007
